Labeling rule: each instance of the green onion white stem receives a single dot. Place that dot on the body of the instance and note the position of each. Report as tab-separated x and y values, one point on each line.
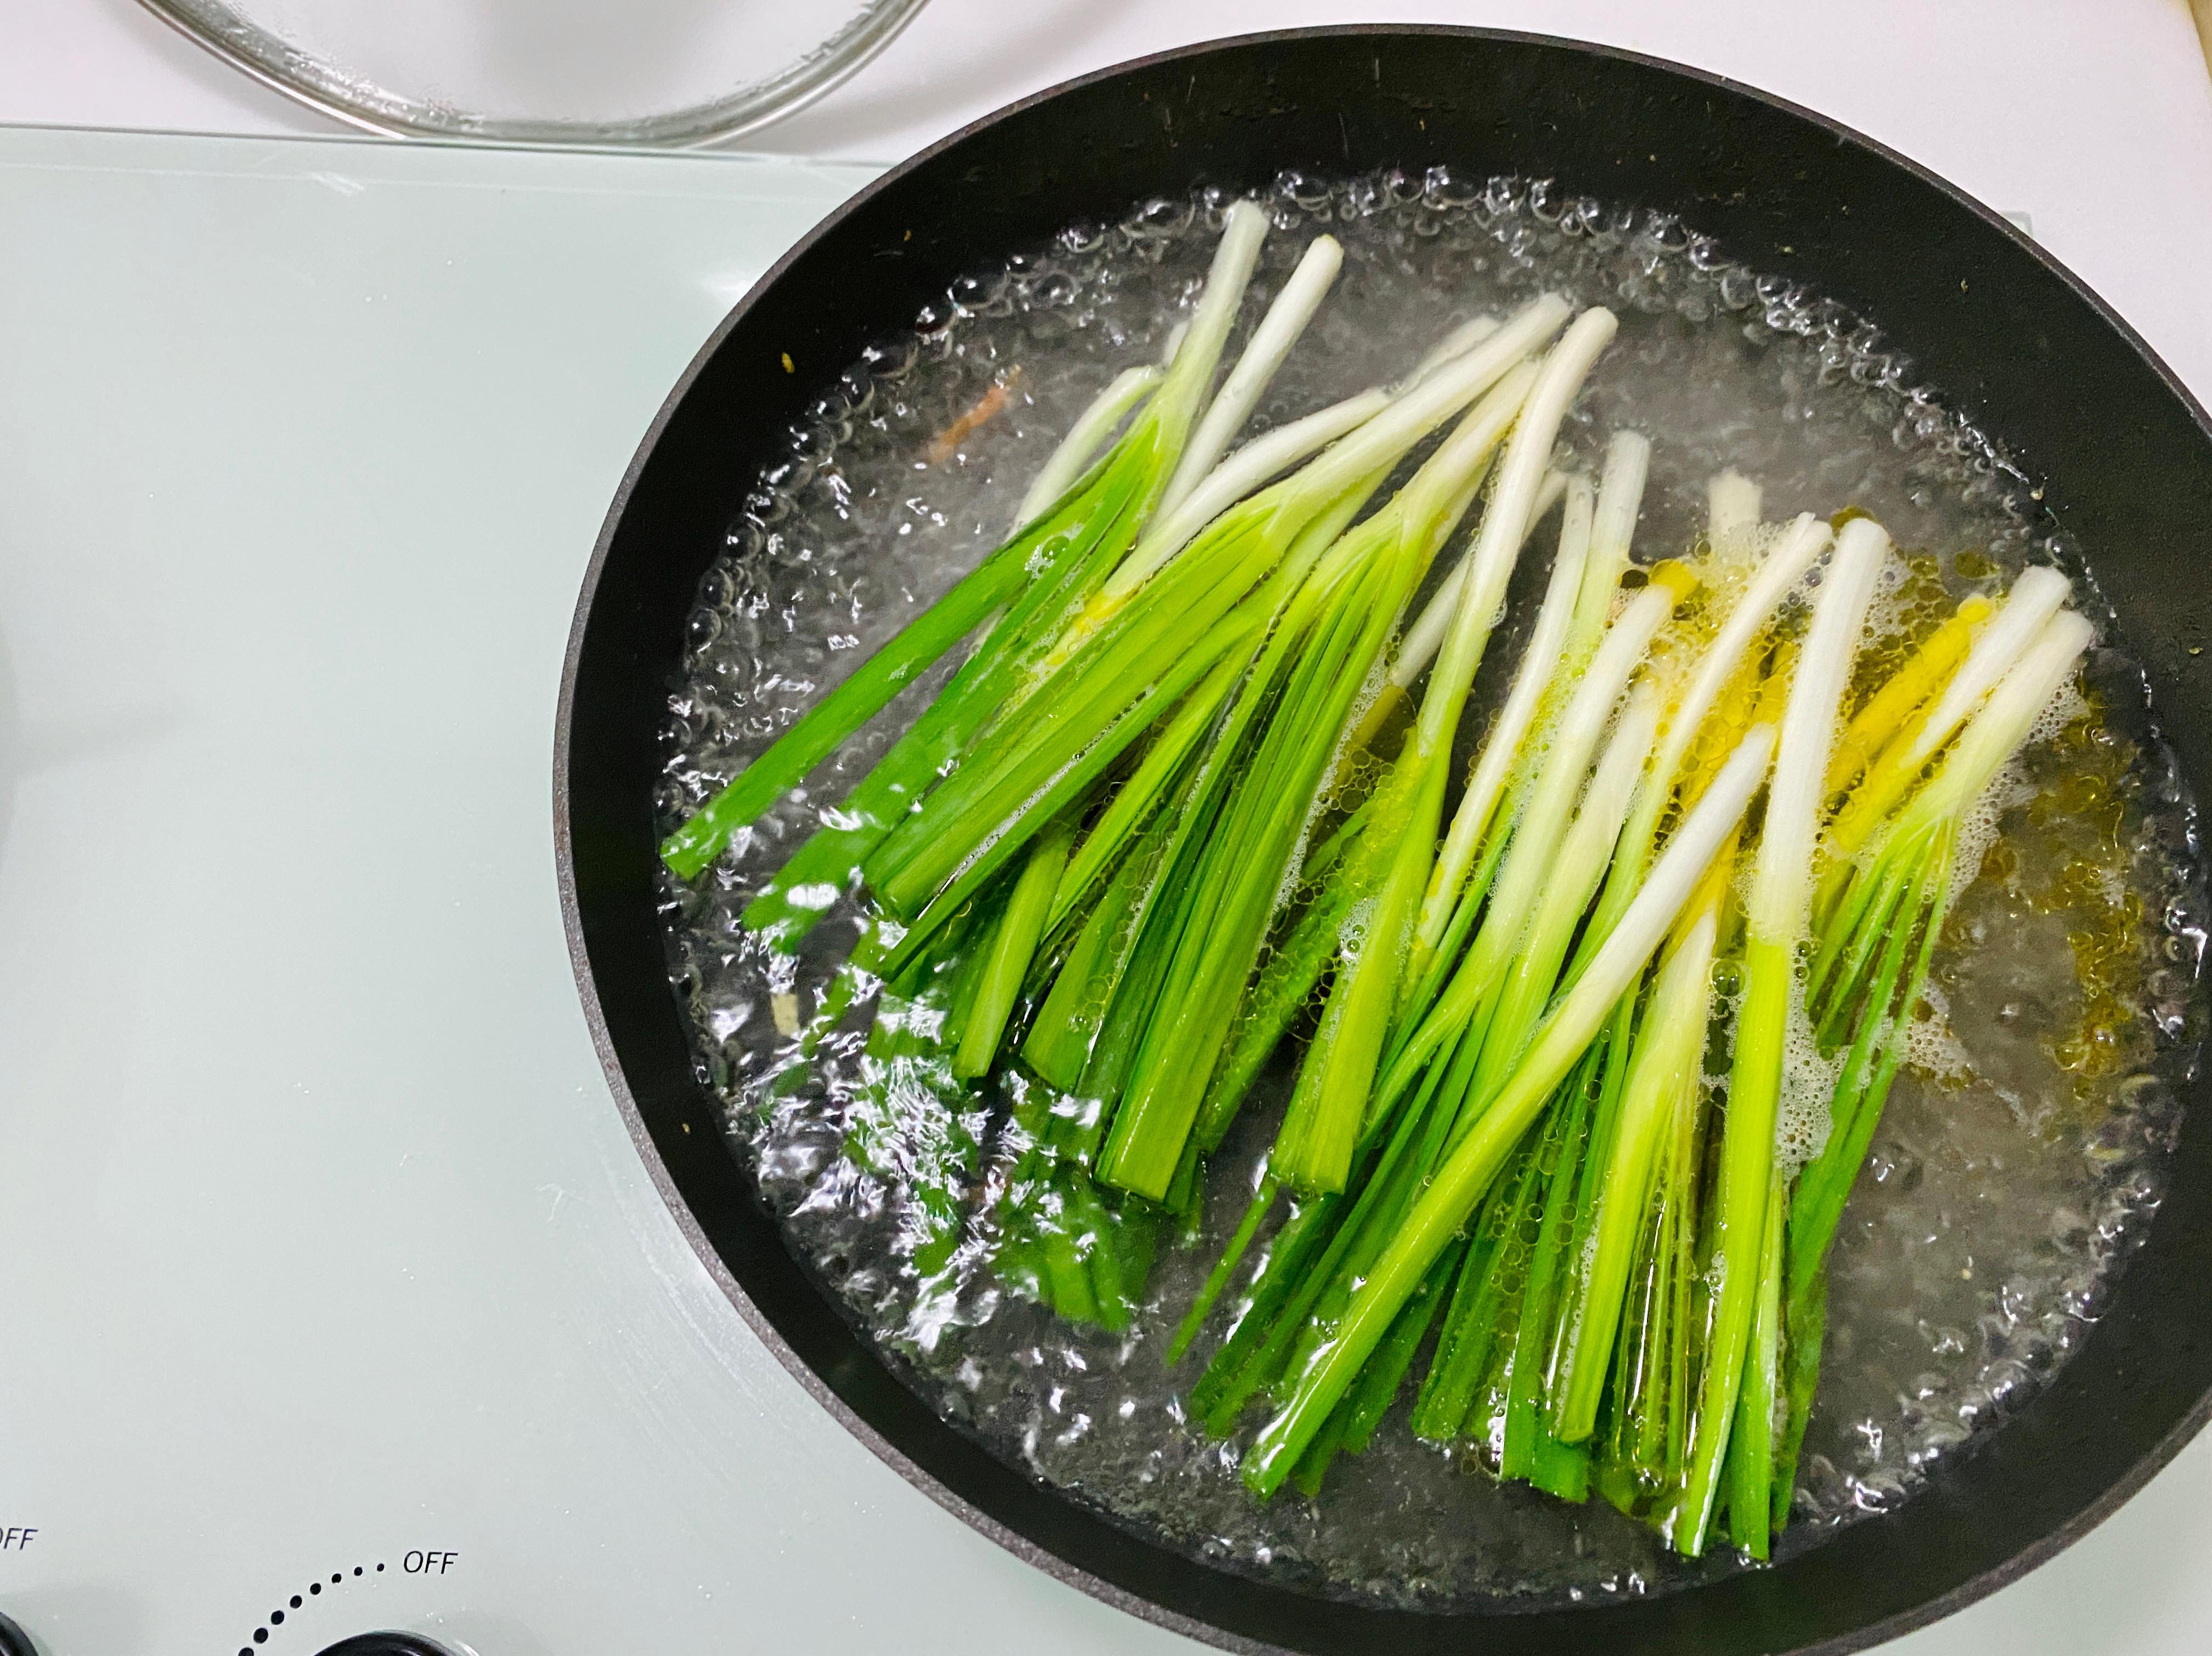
2004	721
1080	448
1732	508
1271	342
1259	462
1532	682
1244	228
2035	597
1505	524
1455	345
1542	678
1619	499
1419	647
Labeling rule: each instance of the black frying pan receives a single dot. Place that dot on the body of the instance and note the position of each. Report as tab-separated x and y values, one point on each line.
2025	351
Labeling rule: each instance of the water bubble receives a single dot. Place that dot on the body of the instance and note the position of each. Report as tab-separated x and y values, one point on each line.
1307	191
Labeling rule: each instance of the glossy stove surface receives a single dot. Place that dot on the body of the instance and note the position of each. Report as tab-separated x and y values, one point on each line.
327	1269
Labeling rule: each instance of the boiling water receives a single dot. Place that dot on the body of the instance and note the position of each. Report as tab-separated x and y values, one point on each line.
2020	1159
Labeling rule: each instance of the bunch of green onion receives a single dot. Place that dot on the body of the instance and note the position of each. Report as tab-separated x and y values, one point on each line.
1194	776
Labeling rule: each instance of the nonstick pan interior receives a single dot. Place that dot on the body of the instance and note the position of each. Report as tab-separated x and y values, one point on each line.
2123	455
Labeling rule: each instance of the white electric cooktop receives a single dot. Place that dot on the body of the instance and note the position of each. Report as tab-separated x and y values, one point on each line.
331	1286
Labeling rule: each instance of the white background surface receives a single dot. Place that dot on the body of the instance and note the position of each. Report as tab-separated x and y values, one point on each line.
2095	116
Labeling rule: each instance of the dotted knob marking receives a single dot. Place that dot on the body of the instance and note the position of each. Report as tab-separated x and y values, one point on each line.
314	1591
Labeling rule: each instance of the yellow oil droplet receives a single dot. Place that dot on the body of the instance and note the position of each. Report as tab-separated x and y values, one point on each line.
2086	787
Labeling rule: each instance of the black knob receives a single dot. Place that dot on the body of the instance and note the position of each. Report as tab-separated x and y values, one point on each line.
386	1644
14	1641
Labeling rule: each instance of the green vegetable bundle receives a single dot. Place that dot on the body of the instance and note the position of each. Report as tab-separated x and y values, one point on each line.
1193	778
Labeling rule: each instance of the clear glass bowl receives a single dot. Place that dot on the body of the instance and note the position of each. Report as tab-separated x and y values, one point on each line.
665	72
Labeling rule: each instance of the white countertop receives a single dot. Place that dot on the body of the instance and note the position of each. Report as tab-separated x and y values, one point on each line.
2094	116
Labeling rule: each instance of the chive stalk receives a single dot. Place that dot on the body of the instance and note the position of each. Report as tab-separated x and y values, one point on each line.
1271	810
1778	918
1327	1110
1567	1031
1668	1054
1418	644
1014	940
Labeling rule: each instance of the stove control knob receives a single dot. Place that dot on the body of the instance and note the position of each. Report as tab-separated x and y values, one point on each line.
386	1644
14	1641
